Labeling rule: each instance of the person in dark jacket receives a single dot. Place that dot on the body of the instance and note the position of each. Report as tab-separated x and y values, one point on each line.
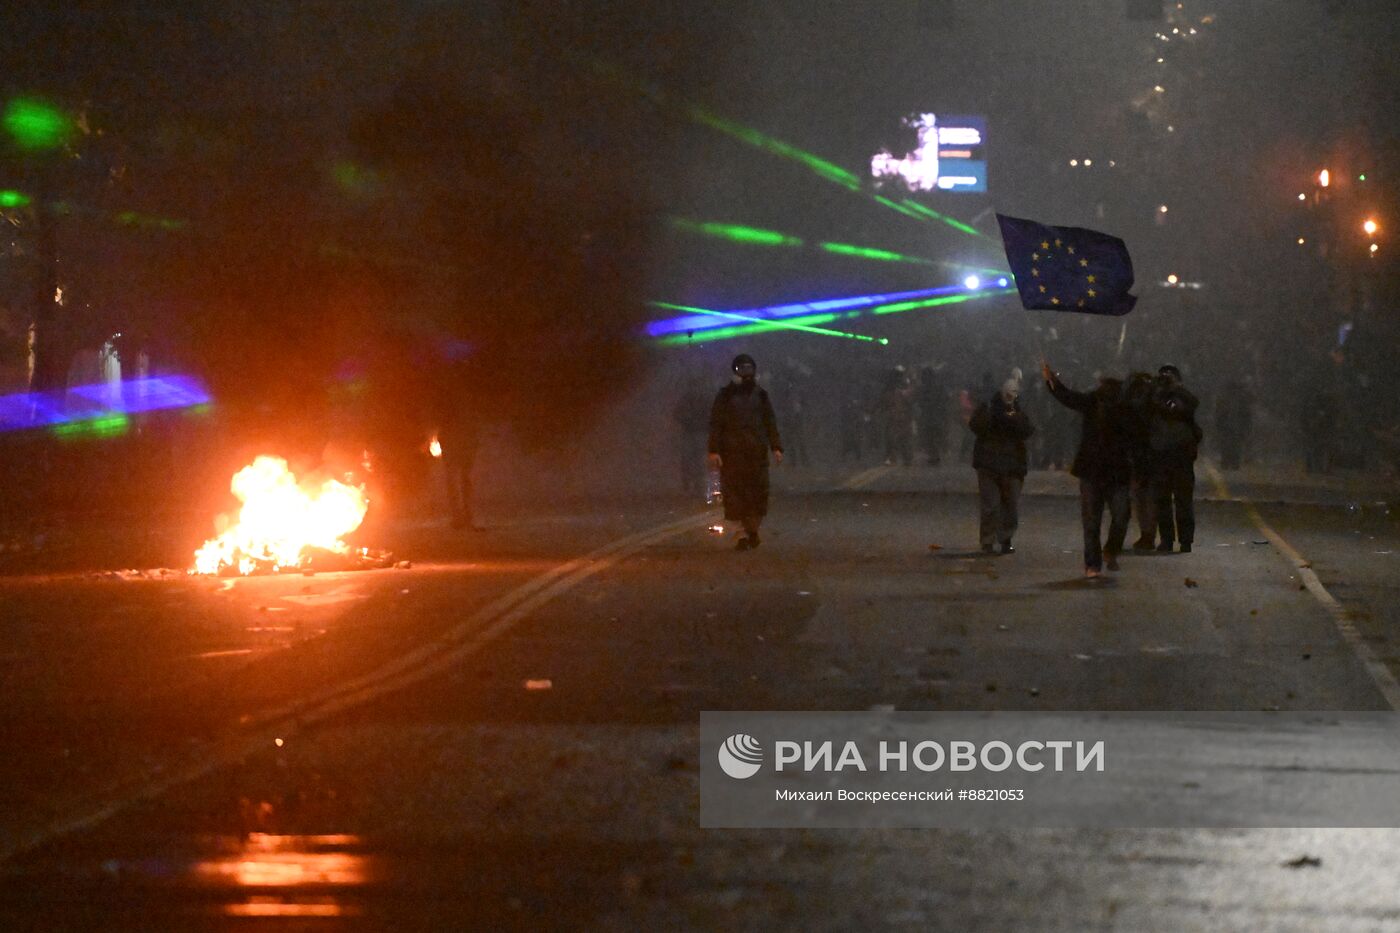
1175	438
742	432
1104	465
1141	387
999	456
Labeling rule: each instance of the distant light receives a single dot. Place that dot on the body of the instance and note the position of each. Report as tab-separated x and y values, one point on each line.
1111	163
1175	31
1301	241
1161	60
1361	177
1172	279
1088	162
1370	226
1074	162
1158	88
1170	128
1161	208
1302	196
1374	247
1324	178
1193	32
972	282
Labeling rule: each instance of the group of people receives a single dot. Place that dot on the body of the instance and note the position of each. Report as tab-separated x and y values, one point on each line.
1137	449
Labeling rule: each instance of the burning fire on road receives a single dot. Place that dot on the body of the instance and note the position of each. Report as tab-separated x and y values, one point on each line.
285	525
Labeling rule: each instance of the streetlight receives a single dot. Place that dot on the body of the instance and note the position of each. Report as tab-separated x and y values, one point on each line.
1370	226
1324	178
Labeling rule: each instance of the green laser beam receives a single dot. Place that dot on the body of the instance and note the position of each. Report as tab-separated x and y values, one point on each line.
806	323
105	426
880	255
12	198
898	306
950	221
736	233
829	171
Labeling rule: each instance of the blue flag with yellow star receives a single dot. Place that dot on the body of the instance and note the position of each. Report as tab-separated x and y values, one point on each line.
1068	268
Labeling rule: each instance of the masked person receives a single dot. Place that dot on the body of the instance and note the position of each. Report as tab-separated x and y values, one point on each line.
1103	465
1175	437
742	432
999	456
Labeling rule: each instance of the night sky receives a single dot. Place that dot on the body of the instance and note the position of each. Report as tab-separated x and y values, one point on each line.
372	191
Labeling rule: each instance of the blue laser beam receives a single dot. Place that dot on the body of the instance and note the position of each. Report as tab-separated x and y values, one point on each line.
24	410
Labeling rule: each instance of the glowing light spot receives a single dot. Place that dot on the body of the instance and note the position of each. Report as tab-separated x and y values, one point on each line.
1324	178
972	282
435	447
12	198
1161	208
36	125
1370	226
1172	279
1002	282
1302	196
1301	241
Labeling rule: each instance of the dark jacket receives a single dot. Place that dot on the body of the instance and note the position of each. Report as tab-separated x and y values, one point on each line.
1173	432
1106	435
1001	432
742	425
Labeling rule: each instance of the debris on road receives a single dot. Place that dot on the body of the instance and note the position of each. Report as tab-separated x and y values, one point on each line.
1191	584
935	547
541	684
1304	861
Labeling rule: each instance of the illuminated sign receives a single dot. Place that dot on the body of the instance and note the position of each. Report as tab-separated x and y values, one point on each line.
949	155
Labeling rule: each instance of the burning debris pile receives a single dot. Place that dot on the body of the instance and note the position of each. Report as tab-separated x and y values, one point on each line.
283	526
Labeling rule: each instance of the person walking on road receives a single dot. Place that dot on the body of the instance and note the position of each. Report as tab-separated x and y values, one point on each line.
1175	437
1140	392
1103	465
742	432
999	456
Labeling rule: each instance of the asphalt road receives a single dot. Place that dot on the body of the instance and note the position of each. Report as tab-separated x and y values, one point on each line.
505	733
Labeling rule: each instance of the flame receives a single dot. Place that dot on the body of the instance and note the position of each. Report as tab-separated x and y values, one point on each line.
280	521
435	447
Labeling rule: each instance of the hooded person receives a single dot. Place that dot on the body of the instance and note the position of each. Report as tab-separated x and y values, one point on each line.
742	432
999	456
1175	438
1103	465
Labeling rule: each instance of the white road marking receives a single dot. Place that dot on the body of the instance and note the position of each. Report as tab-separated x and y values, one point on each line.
1385	681
263	732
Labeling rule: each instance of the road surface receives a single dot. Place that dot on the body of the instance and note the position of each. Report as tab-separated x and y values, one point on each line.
505	732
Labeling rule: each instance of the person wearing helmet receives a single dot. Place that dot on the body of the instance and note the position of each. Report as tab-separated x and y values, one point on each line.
742	432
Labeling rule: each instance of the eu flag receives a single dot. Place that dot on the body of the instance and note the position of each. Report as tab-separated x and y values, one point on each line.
1068	268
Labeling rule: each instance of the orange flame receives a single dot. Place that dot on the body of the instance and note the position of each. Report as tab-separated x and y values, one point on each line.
280	521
